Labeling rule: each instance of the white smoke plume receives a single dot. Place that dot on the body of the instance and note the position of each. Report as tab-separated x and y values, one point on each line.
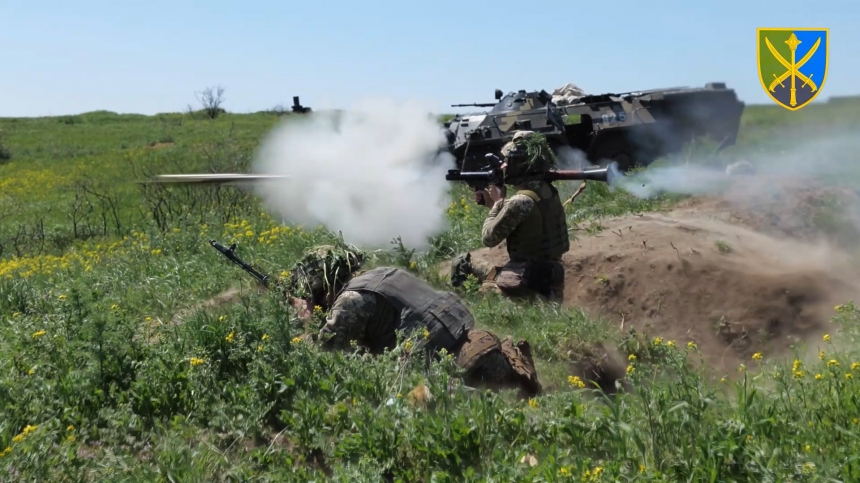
571	158
822	156
371	171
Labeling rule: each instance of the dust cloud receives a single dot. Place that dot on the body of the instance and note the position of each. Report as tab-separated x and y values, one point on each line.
373	171
794	186
833	156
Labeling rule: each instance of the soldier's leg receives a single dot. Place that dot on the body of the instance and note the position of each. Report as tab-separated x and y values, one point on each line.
464	265
512	279
546	279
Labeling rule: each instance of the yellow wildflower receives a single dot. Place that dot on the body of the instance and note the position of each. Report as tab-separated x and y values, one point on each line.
230	336
807	448
821	355
691	345
70	439
832	363
114	307
742	368
38	334
818	377
671	343
222	318
426	333
407	345
5	451
265	336
849	375
296	340
195	361
799	374
855	366
412	265
631	357
658	340
147	319
533	402
156	251
757	356
575	381
63	297
31	371
70	427
826	337
796	366
259	348
723	380
630	369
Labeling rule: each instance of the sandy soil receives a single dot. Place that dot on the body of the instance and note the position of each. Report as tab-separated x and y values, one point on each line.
735	278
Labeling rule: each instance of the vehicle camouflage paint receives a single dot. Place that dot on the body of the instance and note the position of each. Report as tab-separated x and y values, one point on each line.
632	129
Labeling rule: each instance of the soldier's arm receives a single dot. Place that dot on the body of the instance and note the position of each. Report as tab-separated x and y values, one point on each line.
348	320
504	217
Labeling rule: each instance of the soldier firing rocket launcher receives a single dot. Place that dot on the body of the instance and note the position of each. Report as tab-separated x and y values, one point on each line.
492	174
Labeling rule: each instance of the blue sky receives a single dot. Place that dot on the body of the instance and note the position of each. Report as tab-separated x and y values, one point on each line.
152	56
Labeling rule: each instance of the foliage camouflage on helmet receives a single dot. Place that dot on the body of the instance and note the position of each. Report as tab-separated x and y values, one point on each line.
323	268
529	153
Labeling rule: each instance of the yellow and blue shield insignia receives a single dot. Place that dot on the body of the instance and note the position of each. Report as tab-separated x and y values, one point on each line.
792	64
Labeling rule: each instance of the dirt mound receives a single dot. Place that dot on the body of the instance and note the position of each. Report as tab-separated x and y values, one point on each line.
691	275
802	209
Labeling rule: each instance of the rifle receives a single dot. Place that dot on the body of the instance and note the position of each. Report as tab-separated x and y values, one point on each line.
230	253
491	174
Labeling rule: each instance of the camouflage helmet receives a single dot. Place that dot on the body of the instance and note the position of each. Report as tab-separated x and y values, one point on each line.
322	269
528	153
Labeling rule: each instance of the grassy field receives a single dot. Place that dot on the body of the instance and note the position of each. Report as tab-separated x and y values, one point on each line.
97	385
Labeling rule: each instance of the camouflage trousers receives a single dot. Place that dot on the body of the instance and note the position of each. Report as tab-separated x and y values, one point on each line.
517	279
488	362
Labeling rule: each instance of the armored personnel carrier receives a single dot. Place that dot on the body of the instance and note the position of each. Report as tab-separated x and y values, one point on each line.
632	128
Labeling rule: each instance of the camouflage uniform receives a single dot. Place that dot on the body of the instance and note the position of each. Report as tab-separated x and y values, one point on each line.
371	307
533	224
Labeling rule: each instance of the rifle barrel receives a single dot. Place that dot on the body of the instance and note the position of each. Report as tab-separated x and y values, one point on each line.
230	253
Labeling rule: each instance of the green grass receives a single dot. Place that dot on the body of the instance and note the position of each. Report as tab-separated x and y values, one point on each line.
97	385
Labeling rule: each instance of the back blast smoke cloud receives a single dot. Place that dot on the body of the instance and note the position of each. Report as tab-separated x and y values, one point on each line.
372	171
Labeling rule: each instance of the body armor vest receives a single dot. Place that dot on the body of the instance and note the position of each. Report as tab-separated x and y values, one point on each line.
443	314
543	235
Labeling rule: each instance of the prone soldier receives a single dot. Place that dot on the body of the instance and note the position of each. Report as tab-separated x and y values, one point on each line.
370	307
